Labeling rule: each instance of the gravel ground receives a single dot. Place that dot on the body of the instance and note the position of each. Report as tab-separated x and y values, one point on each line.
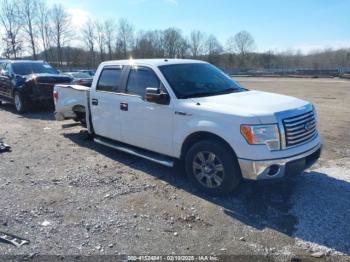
68	195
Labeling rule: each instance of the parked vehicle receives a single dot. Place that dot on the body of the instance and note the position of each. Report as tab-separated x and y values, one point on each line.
80	78
25	83
90	72
3	63
170	110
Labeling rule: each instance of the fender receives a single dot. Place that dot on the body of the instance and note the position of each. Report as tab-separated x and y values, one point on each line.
208	126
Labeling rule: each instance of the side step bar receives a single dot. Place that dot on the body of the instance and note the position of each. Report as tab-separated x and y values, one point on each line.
151	156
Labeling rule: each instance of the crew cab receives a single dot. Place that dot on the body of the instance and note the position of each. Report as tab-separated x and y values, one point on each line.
187	111
26	83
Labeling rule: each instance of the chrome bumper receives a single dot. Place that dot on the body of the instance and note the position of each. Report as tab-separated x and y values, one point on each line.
278	168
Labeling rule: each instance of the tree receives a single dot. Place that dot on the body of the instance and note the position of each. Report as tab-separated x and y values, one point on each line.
196	42
173	43
29	12
45	30
61	28
100	38
10	19
125	36
213	46
242	43
109	32
214	49
88	37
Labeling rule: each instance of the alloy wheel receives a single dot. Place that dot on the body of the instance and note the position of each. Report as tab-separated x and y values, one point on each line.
208	169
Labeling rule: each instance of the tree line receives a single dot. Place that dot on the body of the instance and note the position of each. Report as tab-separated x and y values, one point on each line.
32	29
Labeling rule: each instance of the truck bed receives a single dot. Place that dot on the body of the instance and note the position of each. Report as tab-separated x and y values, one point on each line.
70	101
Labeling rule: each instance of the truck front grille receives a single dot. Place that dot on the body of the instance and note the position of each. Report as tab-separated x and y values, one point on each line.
300	129
45	89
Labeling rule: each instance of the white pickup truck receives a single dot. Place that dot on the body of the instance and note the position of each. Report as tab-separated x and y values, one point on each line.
166	110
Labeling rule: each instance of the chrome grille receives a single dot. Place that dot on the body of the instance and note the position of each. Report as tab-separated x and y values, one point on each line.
300	129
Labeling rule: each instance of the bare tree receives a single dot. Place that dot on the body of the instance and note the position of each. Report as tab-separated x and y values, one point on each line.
61	28
213	46
89	37
125	36
100	38
11	21
242	43
196	42
149	44
109	32
143	46
45	30
174	43
213	49
29	12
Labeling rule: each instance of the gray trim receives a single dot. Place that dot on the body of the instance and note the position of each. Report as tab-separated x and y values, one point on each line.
257	169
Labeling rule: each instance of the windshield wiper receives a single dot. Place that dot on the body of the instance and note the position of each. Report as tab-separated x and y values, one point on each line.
226	91
201	94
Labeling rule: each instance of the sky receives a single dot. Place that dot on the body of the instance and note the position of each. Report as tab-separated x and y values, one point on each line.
277	25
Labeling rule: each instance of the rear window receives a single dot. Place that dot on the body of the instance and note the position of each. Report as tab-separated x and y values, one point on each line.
110	80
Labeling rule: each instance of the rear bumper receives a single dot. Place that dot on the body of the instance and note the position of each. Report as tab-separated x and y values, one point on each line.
59	116
279	168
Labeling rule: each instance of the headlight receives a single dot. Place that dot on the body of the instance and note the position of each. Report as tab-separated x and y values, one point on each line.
262	134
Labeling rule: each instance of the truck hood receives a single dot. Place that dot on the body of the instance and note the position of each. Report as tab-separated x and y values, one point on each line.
48	78
251	103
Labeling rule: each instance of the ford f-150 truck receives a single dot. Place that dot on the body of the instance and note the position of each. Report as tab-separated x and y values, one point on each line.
169	110
27	82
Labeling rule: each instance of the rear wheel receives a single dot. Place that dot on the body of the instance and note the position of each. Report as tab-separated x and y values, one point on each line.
21	103
212	167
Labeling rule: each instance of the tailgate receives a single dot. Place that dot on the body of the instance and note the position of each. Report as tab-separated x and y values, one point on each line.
68	97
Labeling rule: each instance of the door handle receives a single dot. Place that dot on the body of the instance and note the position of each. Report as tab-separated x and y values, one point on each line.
94	102
124	106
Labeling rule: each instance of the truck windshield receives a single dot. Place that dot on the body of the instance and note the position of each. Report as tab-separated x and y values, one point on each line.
198	80
33	68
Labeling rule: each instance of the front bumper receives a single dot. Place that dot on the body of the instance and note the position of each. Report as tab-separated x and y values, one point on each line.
279	168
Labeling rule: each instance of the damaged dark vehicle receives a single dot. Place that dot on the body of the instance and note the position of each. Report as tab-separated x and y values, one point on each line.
28	83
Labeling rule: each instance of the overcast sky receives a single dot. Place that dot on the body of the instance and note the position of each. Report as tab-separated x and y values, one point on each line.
275	24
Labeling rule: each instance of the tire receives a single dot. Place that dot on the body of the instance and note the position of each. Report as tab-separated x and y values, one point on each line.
21	103
212	168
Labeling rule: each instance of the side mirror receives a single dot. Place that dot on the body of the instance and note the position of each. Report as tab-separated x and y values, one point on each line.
155	95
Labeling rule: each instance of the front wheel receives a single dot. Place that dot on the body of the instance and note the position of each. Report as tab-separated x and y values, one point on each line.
212	167
21	103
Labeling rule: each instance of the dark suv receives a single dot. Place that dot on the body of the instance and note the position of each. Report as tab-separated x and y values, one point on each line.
26	83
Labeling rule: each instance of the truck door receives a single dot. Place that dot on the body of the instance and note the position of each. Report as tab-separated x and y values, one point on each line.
104	103
145	124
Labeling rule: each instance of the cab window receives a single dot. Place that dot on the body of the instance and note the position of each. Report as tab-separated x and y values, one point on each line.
110	80
139	79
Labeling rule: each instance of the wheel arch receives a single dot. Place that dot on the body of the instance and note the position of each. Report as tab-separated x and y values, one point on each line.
200	136
79	108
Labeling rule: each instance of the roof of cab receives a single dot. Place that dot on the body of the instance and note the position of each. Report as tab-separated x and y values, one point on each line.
152	62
